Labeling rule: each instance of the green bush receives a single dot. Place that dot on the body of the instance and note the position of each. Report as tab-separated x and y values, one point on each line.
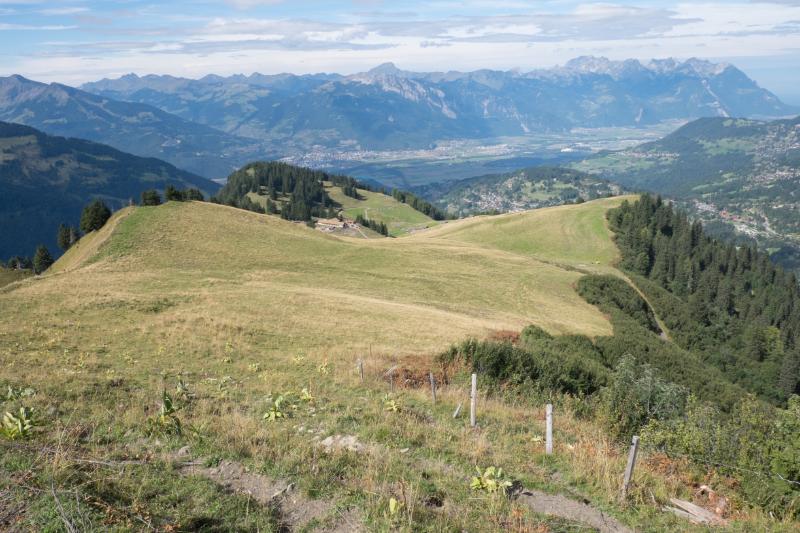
565	364
757	444
635	395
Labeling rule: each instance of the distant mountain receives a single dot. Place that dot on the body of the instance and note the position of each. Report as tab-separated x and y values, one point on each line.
735	174
46	180
137	128
388	108
529	188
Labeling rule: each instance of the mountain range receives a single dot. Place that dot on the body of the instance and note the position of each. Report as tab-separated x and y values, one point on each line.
213	125
389	108
46	180
132	127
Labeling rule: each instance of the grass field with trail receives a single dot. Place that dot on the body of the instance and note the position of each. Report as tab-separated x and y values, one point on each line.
240	308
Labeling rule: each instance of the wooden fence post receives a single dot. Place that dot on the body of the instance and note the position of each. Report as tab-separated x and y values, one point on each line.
457	411
433	386
629	468
548	434
473	401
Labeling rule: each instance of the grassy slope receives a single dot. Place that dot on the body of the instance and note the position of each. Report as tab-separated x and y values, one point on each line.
399	217
88	245
242	305
569	235
10	276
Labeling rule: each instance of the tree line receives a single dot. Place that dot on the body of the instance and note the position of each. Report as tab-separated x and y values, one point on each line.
423	206
374	225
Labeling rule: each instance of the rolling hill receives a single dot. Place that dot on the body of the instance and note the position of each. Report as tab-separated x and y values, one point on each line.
304	194
391	109
135	128
529	188
191	360
738	176
47	180
400	218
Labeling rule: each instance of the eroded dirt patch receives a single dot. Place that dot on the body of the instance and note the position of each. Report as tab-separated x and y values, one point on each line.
294	510
569	509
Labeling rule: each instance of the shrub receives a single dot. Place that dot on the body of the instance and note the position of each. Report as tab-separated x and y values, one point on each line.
757	444
567	364
636	395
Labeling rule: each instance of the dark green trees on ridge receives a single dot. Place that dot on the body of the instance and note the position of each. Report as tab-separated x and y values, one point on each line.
94	216
298	193
729	303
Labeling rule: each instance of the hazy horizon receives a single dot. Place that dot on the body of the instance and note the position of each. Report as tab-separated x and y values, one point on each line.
77	41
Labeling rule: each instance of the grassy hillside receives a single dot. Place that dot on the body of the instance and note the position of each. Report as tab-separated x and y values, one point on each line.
10	276
573	235
228	310
399	217
434	287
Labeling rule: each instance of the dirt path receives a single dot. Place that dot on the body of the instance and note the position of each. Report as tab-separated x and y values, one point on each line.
295	511
573	510
664	331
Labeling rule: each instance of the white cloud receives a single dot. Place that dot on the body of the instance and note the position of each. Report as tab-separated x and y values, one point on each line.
249	4
61	11
29	27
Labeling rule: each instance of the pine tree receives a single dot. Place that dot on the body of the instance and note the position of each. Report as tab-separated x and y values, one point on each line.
789	380
193	194
151	198
172	194
64	239
94	216
42	259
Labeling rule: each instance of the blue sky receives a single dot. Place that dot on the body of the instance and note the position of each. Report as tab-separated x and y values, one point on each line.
73	41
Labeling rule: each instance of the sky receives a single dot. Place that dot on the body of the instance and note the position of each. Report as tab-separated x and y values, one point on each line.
74	41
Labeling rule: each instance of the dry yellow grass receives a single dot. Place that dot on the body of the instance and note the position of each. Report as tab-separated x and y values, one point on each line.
312	291
241	306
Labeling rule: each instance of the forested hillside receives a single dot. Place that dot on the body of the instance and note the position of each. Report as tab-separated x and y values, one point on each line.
731	304
46	181
298	193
